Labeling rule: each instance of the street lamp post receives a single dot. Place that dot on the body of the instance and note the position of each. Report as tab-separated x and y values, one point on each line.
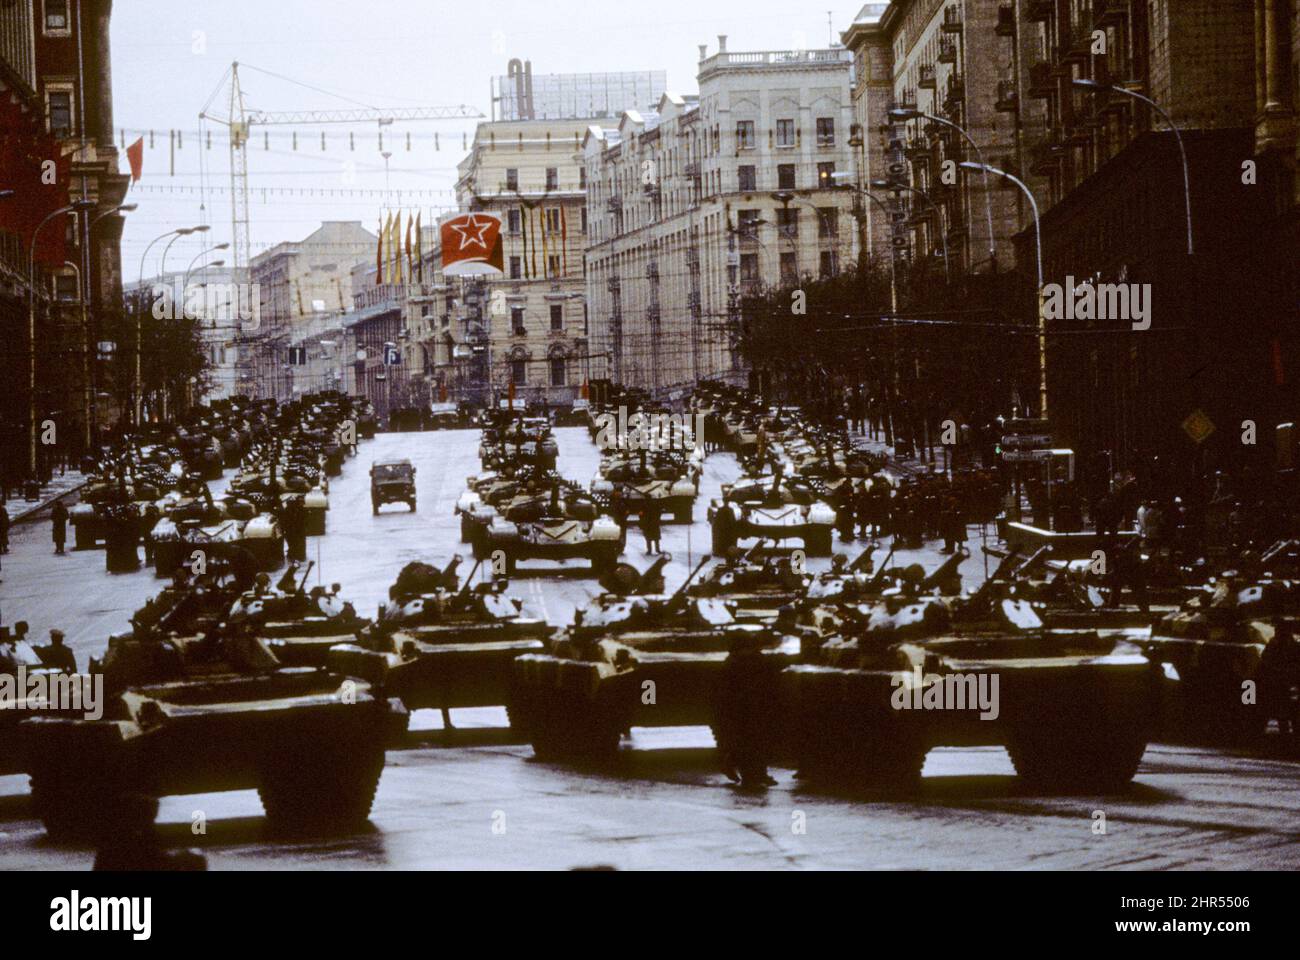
139	315
1092	86
31	326
1038	292
904	114
943	234
92	404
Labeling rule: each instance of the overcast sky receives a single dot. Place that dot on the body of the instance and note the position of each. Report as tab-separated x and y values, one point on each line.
169	56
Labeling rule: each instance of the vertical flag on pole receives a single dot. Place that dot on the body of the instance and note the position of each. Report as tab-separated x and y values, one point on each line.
397	247
564	240
419	245
410	270
379	254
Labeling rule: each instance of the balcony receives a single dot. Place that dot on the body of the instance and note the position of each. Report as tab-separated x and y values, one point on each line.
1039	11
1041	82
927	81
952	20
947	51
1006	25
918	148
1109	13
1008	100
956	93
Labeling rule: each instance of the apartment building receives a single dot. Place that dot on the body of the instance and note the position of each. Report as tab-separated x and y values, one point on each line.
698	200
532	320
294	282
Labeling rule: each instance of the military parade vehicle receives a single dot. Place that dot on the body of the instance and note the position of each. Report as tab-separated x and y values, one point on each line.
663	482
552	537
392	481
443	645
772	508
198	713
636	661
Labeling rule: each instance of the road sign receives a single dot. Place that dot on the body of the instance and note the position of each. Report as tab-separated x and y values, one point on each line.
1198	426
392	356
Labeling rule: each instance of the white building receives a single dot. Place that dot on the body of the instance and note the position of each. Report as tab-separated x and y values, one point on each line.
701	199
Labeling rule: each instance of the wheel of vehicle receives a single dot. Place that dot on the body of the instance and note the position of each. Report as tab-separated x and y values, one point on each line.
71	800
323	786
411	503
1075	756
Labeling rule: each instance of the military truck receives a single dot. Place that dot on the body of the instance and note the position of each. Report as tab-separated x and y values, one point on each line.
392	481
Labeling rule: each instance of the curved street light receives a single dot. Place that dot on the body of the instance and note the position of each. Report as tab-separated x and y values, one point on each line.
178	232
1092	86
203	253
904	114
943	234
1038	293
31	325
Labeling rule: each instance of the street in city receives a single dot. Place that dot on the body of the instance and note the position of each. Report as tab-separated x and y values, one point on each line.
471	798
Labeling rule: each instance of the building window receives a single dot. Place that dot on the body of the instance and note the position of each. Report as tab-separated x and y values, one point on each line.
748	179
557	318
582	178
785	176
584	219
515	268
825	131
519	372
745	134
557	371
517	321
747	223
56	16
553	219
785	133
829	266
825	180
552	178
749	267
787	224
828	222
789	268
60	107
553	265
512	179
65	287
512	221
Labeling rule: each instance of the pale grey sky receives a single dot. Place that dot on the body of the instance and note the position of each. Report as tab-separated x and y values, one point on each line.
169	56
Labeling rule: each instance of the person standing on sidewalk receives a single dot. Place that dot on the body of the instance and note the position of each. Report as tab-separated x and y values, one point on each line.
4	529
59	516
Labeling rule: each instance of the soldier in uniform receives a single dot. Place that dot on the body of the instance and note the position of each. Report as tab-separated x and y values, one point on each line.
59	517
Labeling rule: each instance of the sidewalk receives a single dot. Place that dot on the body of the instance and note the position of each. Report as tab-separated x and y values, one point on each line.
60	486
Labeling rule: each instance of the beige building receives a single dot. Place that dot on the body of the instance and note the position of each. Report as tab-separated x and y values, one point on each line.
698	200
530	322
295	282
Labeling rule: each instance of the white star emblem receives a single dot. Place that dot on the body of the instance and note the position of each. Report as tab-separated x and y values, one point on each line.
472	232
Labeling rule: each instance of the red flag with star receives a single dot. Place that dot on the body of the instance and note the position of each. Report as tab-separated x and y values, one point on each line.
471	245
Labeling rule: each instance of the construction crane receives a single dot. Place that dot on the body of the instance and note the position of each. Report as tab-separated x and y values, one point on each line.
240	120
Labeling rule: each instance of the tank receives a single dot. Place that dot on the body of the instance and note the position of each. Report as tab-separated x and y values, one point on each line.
637	661
552	538
437	645
1231	662
880	683
772	508
189	714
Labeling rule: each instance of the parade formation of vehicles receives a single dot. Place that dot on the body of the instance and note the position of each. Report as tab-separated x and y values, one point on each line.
850	675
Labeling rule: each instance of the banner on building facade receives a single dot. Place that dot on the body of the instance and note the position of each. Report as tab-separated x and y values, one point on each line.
471	245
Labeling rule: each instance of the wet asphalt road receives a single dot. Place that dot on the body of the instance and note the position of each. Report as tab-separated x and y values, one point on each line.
470	799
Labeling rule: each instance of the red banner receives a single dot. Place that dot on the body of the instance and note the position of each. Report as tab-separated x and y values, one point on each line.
33	166
471	245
